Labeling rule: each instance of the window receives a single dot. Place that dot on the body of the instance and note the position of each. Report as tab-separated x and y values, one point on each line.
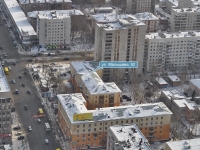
94	129
89	125
116	122
121	121
88	130
88	134
161	117
83	130
77	126
146	119
83	125
100	123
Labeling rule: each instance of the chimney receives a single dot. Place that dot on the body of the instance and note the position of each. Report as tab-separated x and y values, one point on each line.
140	142
120	130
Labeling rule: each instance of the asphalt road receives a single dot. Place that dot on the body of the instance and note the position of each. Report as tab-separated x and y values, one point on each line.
38	134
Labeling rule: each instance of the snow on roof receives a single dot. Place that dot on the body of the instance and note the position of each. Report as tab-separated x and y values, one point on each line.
19	18
73	104
83	67
42	1
184	102
95	85
104	8
160	80
104	18
123	135
174	78
4	87
174	93
196	82
146	16
194	144
71	12
53	15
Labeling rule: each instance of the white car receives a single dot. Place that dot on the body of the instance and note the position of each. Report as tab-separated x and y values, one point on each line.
46	141
9	67
13	81
5	55
29	128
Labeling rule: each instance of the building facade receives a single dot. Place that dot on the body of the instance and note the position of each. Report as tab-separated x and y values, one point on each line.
97	93
123	137
53	30
122	40
172	51
5	110
84	127
39	5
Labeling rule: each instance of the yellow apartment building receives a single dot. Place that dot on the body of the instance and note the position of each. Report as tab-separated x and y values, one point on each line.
83	127
88	82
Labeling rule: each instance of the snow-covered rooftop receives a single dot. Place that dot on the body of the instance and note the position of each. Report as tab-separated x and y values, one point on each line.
146	16
173	35
174	93
53	15
73	104
174	78
19	18
192	144
160	80
34	14
123	135
42	1
104	18
186	10
184	102
196	82
4	87
95	85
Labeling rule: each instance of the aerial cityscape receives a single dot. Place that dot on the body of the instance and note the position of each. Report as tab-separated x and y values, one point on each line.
99	74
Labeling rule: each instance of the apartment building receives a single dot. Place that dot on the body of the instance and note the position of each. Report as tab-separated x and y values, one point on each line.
84	127
151	21
191	144
172	51
97	93
18	23
122	40
76	16
53	30
39	5
139	6
5	110
123	137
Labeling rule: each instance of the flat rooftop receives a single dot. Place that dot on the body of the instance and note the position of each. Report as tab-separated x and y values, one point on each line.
186	10
174	93
167	35
124	137
194	144
146	16
4	86
174	78
43	1
160	80
184	102
71	12
73	105
196	82
19	18
53	15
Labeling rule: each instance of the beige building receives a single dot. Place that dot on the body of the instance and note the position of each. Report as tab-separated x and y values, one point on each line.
33	5
97	93
84	127
121	40
124	137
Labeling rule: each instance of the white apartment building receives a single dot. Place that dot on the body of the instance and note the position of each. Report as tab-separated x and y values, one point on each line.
53	30
124	137
121	40
139	6
151	21
172	51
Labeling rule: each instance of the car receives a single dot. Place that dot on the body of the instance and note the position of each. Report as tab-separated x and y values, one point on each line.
25	107
2	63
17	127
9	68
14	63
46	141
13	81
58	51
16	91
28	92
39	121
66	58
21	137
42	104
20	77
29	128
18	133
35	55
1	47
5	55
53	63
23	85
25	73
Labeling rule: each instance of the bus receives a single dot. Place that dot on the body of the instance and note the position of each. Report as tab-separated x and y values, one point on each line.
47	126
6	70
41	112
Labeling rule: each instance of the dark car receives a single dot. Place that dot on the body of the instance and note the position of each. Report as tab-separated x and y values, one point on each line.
20	77
16	91
23	85
25	107
28	92
14	63
20	137
66	58
16	127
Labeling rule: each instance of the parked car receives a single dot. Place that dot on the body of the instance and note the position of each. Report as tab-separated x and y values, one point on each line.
18	133
1	47
5	55
39	121
21	137
16	91
29	128
66	58
2	63
13	81
9	68
14	63
16	127
23	85
58	51
25	107
28	92
46	141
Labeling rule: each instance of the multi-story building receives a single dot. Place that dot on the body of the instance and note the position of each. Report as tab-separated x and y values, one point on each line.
53	30
172	51
5	110
84	127
17	20
124	137
151	21
33	5
76	16
97	93
139	6
121	40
